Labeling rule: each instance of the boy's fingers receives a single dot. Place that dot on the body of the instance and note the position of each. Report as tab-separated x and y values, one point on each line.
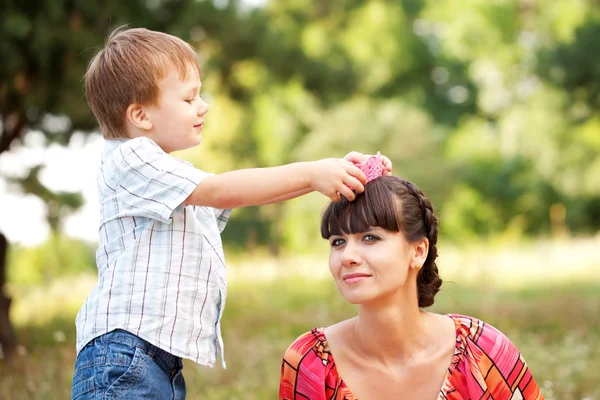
347	192
358	174
355	184
387	163
355	157
335	197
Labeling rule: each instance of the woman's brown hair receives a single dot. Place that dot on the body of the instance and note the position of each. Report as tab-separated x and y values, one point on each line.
395	205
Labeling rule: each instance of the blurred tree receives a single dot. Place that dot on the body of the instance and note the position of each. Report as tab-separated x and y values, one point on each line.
573	67
320	79
533	143
59	204
423	81
7	334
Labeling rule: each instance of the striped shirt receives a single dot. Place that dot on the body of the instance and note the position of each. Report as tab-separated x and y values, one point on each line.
161	270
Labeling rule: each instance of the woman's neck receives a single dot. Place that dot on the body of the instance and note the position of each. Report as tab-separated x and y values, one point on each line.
393	334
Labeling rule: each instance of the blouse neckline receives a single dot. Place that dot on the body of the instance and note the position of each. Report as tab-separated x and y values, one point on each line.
319	333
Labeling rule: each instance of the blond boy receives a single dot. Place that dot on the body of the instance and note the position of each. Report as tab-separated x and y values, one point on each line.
161	274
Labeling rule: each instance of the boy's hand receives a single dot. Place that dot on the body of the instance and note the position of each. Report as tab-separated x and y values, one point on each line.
334	177
356	158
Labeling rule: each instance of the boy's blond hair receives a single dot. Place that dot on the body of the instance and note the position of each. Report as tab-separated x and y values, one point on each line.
127	71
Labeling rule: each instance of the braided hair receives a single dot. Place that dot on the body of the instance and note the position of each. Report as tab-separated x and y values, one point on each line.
395	205
418	223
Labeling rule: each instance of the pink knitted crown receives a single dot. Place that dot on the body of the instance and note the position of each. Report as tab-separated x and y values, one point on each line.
372	167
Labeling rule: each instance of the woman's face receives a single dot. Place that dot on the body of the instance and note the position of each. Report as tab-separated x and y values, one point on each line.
372	265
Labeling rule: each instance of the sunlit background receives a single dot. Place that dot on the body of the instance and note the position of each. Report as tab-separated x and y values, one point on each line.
489	106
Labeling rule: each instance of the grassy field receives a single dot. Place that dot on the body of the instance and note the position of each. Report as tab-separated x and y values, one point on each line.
554	321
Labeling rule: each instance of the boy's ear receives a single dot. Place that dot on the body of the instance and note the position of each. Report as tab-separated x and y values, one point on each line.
136	115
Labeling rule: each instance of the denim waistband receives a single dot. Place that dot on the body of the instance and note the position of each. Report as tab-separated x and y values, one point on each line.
129	339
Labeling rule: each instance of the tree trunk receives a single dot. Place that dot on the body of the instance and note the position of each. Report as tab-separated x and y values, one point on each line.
7	334
13	126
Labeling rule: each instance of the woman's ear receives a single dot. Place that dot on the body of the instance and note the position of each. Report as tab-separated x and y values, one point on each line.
421	249
137	116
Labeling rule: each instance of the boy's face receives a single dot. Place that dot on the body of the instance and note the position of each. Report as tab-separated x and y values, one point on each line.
177	117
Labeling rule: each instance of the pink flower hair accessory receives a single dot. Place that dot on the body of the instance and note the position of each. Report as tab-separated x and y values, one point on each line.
372	167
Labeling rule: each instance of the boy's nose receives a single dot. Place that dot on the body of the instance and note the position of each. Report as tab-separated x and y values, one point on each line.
202	107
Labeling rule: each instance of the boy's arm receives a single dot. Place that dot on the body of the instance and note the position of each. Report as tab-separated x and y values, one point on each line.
257	186
354	157
286	197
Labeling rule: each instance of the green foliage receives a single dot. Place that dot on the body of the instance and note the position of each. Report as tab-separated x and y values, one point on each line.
489	106
58	256
59	203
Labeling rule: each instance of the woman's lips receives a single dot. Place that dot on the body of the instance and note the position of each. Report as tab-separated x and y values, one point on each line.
354	278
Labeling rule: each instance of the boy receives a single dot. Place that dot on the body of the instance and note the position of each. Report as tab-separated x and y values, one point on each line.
161	274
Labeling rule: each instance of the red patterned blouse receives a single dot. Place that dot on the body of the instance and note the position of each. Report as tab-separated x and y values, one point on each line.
486	365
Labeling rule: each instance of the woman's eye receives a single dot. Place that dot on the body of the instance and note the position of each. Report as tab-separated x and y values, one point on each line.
337	242
371	238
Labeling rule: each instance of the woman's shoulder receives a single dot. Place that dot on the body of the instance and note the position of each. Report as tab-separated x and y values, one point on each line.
476	331
491	359
306	367
307	347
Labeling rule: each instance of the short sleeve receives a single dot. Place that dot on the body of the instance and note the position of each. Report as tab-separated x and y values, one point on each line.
508	373
304	369
152	183
491	364
222	217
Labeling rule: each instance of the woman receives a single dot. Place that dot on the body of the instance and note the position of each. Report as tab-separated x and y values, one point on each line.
383	251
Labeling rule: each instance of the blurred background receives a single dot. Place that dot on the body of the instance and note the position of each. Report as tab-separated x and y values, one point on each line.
489	106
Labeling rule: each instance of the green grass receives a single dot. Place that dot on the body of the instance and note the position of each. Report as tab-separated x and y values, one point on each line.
551	314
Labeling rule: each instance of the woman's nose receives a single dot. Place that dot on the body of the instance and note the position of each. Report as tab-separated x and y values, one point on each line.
350	255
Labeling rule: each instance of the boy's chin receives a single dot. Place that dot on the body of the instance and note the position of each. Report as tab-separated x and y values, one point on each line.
193	142
196	142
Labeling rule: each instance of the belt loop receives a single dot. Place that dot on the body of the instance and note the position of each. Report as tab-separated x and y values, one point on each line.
175	368
151	349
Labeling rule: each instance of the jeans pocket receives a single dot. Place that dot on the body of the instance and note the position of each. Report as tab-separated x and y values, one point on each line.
81	388
124	369
84	369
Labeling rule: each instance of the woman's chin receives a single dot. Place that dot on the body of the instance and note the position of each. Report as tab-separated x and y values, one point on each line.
358	299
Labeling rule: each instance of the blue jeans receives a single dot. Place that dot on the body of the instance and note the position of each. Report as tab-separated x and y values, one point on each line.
120	365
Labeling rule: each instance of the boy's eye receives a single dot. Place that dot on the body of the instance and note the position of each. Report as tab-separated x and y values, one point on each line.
189	101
